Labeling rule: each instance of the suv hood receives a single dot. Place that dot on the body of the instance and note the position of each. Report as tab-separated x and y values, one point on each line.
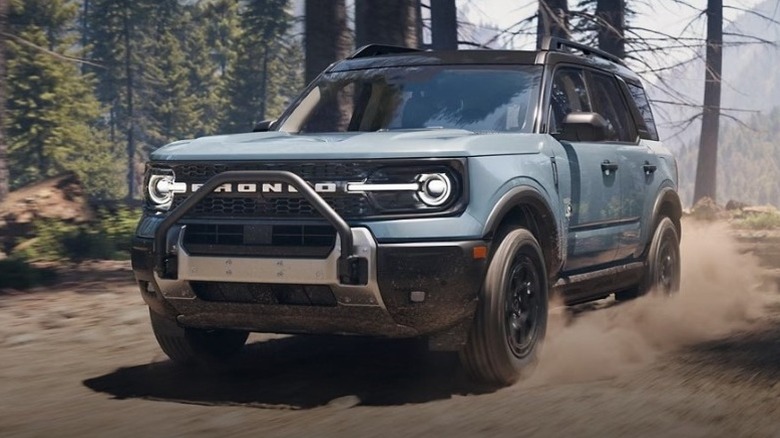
353	145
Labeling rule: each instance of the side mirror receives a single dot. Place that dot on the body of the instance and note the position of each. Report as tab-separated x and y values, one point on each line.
264	126
591	127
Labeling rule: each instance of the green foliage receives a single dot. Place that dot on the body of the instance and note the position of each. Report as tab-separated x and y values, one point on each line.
16	273
52	115
108	237
763	220
159	71
267	68
116	33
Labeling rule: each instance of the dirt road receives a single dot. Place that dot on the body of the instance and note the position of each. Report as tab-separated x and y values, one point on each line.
79	359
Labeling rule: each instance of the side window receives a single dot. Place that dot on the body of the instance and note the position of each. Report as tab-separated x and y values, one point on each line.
568	95
640	99
610	104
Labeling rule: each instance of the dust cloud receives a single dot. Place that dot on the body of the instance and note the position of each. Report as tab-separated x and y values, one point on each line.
722	291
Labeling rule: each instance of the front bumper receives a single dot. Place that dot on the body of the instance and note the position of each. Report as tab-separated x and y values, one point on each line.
412	289
361	287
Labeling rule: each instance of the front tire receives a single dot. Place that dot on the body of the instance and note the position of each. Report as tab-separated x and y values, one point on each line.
189	346
511	319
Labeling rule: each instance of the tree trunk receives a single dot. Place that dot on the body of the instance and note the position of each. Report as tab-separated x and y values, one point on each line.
706	169
444	25
553	20
84	31
4	177
386	22
327	37
263	88
419	25
130	113
611	22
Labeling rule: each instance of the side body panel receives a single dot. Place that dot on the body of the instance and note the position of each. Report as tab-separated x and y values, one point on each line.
639	183
595	205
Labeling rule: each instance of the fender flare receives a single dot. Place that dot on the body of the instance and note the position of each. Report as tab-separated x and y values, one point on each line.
667	195
526	195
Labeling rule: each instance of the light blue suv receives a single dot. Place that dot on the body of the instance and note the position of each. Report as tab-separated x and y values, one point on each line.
444	195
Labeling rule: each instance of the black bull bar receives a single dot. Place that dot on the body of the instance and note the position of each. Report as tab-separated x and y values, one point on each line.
349	271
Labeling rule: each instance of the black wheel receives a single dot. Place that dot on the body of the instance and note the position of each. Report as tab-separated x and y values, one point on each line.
511	319
188	346
663	264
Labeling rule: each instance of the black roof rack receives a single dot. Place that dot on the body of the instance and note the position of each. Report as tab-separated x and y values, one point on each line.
380	49
558	44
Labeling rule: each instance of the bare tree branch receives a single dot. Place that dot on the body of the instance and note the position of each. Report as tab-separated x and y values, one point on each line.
52	53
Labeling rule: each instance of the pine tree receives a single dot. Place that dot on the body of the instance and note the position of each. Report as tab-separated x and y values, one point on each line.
251	91
117	32
204	63
220	20
53	116
170	108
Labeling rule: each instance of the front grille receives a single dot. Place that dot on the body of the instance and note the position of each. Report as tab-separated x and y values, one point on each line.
309	171
260	240
262	293
349	206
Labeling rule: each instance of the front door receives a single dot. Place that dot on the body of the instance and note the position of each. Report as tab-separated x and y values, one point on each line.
595	184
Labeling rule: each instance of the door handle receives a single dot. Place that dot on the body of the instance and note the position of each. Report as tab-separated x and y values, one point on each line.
649	168
608	167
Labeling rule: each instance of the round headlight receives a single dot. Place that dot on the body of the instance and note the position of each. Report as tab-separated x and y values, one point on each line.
435	188
160	189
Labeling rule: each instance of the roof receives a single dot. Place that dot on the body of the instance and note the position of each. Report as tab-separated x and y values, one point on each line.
454	57
553	51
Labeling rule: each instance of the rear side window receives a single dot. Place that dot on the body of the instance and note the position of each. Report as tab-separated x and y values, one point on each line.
643	105
569	95
610	104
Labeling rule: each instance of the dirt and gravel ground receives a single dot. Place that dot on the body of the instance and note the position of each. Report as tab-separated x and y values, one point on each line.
79	359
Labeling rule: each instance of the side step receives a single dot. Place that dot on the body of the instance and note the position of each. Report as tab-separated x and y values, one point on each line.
588	286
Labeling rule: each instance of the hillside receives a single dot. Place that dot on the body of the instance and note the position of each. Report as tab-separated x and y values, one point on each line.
751	79
748	161
749	158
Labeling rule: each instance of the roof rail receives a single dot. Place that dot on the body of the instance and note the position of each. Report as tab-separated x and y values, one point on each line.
380	49
558	44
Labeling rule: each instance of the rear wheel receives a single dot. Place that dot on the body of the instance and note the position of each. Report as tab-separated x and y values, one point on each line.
511	319
189	346
663	264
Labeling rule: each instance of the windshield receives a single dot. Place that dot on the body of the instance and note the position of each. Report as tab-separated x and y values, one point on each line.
479	99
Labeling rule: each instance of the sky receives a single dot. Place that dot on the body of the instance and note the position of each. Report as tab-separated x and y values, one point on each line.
662	15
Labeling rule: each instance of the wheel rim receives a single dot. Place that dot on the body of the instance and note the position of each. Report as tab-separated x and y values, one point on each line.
668	267
522	306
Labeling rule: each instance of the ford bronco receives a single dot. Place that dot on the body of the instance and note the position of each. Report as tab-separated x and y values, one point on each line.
415	194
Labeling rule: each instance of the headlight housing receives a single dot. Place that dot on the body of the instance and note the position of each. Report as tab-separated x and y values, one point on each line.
159	188
416	189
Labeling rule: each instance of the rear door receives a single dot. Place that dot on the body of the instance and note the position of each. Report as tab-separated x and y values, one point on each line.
639	182
595	188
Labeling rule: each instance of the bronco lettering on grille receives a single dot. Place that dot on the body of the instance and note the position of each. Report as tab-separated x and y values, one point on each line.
274	187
